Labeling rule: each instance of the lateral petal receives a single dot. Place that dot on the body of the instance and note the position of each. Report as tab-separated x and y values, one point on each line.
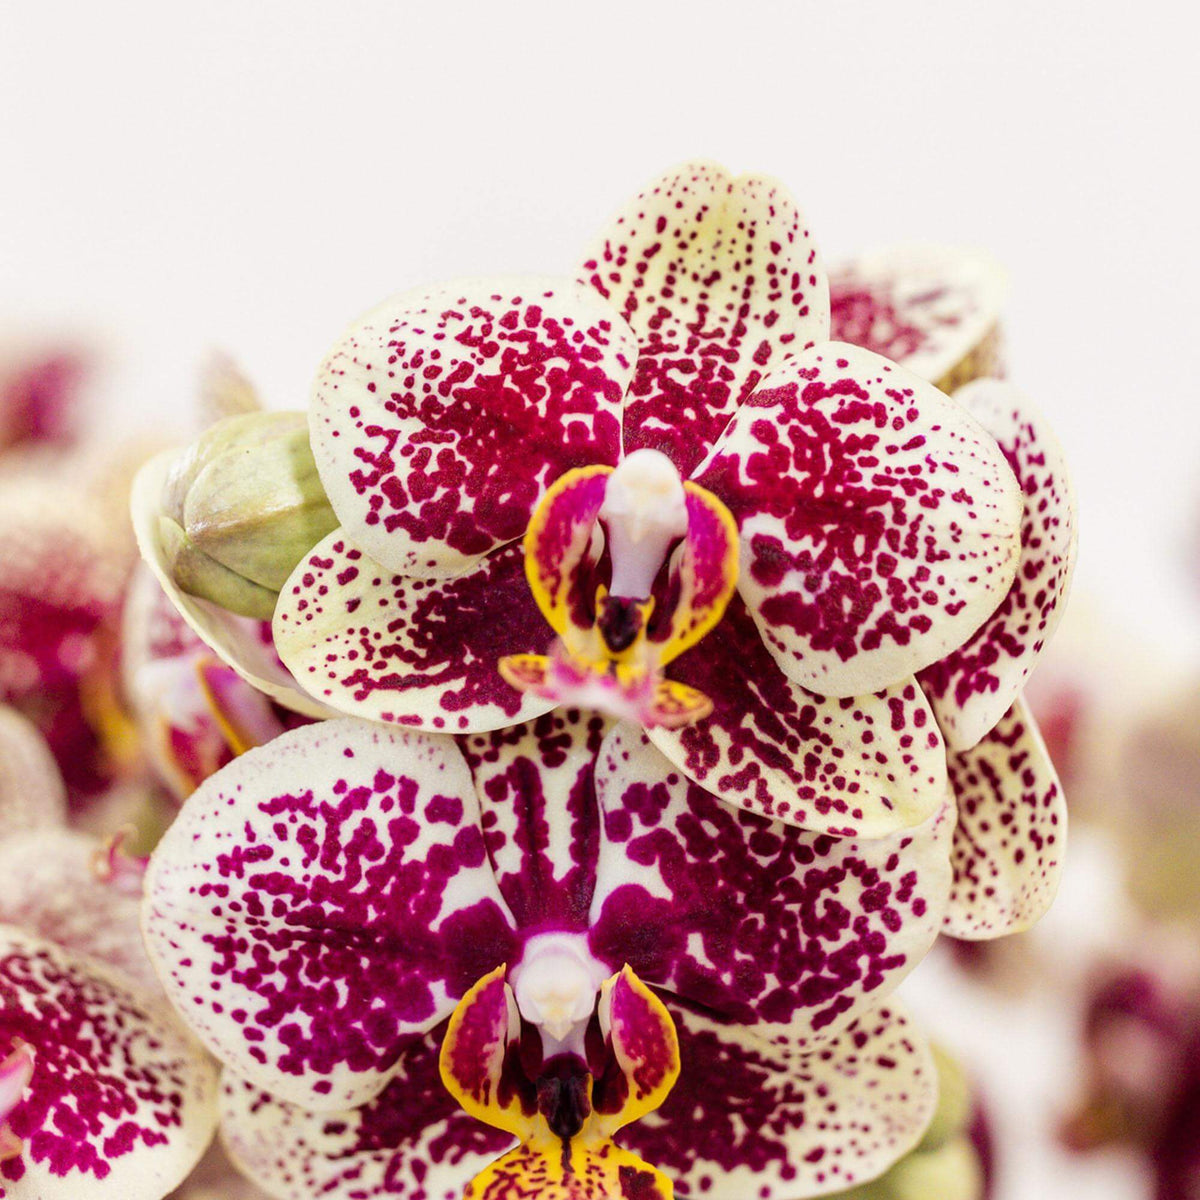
322	902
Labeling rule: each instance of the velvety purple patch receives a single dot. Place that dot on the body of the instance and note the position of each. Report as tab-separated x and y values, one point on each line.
440	419
537	796
718	278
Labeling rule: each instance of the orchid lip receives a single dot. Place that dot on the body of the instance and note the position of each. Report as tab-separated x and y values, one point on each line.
631	566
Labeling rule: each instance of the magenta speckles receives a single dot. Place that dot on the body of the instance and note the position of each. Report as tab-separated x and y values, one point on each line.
926	307
755	1116
1010	842
719	279
973	686
418	652
121	1103
757	920
322	902
861	766
413	1140
879	524
442	416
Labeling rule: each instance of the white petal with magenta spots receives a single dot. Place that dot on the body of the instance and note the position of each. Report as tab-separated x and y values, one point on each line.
760	921
414	1136
323	901
860	766
974	686
719	279
416	652
440	418
121	1103
773	1119
1011	839
879	521
929	308
243	643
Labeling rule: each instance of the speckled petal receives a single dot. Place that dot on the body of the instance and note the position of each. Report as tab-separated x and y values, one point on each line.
934	309
879	521
49	886
974	686
32	795
537	797
719	279
243	643
863	765
322	901
415	652
412	1141
757	920
121	1104
440	418
771	1119
1011	839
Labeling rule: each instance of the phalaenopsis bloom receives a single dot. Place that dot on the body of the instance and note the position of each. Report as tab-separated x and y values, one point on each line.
678	651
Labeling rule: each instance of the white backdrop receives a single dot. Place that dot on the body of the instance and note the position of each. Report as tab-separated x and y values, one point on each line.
252	175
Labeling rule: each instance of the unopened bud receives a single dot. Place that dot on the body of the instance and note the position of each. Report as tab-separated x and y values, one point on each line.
241	508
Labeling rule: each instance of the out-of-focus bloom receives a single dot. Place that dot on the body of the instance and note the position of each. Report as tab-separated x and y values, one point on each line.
60	599
40	387
1155	815
1142	1058
102	1094
193	713
324	905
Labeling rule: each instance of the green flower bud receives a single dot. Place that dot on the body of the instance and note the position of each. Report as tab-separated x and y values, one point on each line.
242	506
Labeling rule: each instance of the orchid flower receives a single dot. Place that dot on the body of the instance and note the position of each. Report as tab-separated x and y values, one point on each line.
576	932
101	1092
658	489
937	311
